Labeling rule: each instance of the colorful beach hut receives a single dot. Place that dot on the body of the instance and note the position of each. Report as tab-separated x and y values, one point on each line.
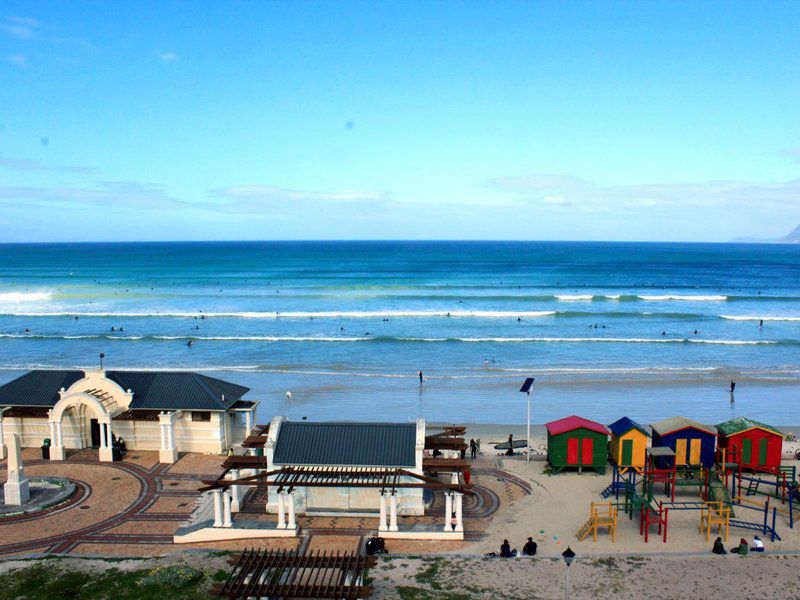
692	442
577	442
628	444
752	444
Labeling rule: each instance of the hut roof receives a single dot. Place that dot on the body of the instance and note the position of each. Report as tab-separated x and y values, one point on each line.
740	424
350	444
574	422
677	423
624	425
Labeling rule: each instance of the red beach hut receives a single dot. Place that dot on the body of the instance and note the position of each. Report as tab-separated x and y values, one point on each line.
754	445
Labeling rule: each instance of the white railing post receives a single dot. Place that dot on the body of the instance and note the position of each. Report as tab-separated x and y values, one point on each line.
393	513
448	510
382	514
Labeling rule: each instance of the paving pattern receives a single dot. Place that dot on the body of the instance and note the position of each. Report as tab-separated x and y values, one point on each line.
133	507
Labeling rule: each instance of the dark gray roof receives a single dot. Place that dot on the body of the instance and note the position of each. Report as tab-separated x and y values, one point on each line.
347	444
37	388
164	390
177	390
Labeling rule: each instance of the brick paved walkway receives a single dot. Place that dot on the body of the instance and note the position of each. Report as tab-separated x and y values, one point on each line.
132	508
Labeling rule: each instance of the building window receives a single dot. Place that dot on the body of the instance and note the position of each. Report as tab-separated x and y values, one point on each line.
201	416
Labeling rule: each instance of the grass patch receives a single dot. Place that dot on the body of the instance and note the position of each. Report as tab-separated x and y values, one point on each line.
430	574
53	582
414	593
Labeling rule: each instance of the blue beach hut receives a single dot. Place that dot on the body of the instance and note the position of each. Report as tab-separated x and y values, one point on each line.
692	442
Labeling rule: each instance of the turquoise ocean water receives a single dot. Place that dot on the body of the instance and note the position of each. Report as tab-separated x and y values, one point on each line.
607	329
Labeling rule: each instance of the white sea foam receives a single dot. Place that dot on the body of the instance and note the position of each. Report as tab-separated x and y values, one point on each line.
574	297
299	315
666	297
20	297
755	318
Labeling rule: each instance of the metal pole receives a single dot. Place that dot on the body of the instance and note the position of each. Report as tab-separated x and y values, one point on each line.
528	453
566	584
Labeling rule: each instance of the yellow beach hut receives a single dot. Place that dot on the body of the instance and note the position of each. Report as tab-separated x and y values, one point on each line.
628	444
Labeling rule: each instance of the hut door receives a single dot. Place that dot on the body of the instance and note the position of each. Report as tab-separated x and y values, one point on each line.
747	451
587	451
695	447
572	451
762	451
627	453
680	451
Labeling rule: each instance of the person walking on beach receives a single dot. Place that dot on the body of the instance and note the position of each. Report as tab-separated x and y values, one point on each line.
510	451
733	385
473	449
421	377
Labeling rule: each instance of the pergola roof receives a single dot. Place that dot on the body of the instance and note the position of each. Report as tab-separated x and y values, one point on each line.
288	478
346	444
288	574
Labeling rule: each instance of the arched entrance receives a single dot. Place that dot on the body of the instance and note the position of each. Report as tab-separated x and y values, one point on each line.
75	413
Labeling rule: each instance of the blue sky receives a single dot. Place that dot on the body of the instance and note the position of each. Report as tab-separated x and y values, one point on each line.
374	120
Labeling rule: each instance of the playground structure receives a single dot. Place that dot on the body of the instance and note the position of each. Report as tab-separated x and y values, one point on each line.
721	491
601	514
715	513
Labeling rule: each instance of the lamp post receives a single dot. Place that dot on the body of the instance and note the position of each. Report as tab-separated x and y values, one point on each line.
526	387
568	555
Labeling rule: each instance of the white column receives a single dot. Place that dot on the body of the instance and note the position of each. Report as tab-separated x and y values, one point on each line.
16	489
56	449
459	497
167	453
59	433
248	423
281	511
382	515
106	453
292	522
163	431
448	510
171	435
2	437
227	518
217	508
393	513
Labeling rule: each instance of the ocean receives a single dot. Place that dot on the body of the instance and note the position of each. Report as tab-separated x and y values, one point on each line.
646	330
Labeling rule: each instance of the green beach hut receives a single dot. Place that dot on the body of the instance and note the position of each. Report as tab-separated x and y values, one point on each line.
576	442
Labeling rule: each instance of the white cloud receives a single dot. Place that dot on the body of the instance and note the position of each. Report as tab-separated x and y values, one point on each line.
558	200
17	59
23	28
106	194
588	195
168	57
26	164
792	153
272	193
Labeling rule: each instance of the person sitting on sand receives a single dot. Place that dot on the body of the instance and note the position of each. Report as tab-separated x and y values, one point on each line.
718	548
741	549
529	549
506	551
510	451
758	545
